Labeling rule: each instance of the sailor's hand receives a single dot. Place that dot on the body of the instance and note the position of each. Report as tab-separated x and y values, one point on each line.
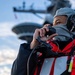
41	33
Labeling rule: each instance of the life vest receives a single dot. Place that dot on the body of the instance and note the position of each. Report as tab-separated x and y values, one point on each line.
57	65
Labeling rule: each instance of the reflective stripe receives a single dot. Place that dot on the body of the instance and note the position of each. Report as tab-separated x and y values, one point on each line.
46	66
60	65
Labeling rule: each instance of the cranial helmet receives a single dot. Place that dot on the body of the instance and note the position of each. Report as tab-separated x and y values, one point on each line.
67	12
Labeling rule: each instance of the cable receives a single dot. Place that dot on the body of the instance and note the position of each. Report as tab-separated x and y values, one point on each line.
40	41
29	60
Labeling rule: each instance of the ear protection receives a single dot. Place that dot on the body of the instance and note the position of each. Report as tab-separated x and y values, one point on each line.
71	23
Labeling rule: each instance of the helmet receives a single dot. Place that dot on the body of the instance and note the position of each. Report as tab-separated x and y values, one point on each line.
65	11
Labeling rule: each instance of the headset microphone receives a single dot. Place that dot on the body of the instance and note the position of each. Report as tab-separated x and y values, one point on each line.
51	31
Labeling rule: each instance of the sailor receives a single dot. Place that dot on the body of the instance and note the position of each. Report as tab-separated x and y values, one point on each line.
62	43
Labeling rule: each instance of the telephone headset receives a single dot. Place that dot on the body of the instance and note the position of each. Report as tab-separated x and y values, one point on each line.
70	26
71	23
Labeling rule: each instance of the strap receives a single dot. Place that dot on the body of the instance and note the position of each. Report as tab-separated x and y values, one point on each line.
66	50
72	51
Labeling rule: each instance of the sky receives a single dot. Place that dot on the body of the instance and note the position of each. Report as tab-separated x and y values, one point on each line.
9	43
7	13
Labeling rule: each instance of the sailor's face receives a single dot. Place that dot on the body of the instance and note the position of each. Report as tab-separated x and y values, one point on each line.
59	20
